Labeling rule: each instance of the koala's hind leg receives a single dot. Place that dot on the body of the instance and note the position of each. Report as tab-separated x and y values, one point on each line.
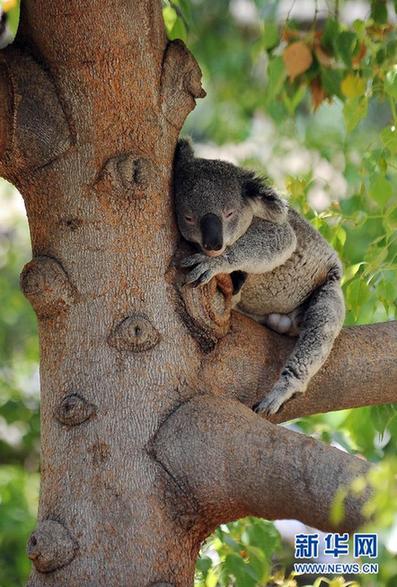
322	319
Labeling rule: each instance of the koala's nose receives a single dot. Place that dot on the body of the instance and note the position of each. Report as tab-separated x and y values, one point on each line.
212	234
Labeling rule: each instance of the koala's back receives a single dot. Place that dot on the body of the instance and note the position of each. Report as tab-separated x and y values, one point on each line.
286	287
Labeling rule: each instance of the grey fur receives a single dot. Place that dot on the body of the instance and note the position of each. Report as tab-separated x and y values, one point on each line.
293	281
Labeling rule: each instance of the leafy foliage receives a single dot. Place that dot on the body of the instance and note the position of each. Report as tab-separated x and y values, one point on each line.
11	9
239	554
18	502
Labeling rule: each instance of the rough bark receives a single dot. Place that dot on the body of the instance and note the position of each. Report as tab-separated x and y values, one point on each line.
236	464
92	100
361	370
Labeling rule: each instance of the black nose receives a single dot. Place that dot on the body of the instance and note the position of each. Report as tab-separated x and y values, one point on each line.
211	230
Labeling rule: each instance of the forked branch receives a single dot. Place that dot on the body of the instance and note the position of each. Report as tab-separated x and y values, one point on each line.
237	464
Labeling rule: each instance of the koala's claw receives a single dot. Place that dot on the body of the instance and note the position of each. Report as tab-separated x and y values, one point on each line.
202	269
271	404
192	260
205	278
200	275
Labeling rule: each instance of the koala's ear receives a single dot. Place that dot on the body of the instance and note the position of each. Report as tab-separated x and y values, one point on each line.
184	151
265	202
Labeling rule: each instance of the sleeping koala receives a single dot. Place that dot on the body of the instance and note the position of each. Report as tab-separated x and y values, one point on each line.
288	274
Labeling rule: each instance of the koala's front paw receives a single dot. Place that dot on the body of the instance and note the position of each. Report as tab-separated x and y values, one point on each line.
203	269
280	393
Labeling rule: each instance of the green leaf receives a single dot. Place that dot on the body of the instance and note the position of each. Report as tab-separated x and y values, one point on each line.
292	102
354	110
212	578
357	293
227	539
359	28
353	86
331	31
271	36
391	218
244	574
381	416
380	189
170	17
13	19
350	272
262	534
389	138
178	31
379	11
341	235
276	75
345	44
203	565
331	80
390	83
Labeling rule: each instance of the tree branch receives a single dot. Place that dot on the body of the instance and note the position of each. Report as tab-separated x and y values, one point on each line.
236	464
361	370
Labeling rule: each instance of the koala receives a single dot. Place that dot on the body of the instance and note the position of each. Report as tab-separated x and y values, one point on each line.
285	275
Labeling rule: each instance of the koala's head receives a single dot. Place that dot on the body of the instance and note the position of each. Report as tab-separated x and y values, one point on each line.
216	201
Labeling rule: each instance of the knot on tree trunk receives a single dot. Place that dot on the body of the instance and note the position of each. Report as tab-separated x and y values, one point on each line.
135	333
180	83
51	547
40	130
126	175
46	285
206	310
74	409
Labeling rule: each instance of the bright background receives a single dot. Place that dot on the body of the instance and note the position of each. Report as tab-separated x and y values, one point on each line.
305	93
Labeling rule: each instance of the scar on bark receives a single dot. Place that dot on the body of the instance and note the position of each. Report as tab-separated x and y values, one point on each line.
135	333
39	132
74	409
47	286
180	83
51	546
126	175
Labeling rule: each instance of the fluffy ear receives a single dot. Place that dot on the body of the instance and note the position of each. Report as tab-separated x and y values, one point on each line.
183	152
265	202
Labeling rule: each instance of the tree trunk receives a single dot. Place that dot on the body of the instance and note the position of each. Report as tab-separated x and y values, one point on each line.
135	431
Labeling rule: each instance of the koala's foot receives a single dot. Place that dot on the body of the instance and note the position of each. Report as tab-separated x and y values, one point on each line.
204	268
288	324
281	392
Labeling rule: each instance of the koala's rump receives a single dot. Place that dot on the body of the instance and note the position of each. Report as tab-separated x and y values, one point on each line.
286	287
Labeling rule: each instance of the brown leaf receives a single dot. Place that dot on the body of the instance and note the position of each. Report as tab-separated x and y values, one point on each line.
297	58
322	57
360	55
318	93
290	34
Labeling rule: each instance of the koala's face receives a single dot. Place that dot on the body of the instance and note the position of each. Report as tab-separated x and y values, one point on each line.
211	210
